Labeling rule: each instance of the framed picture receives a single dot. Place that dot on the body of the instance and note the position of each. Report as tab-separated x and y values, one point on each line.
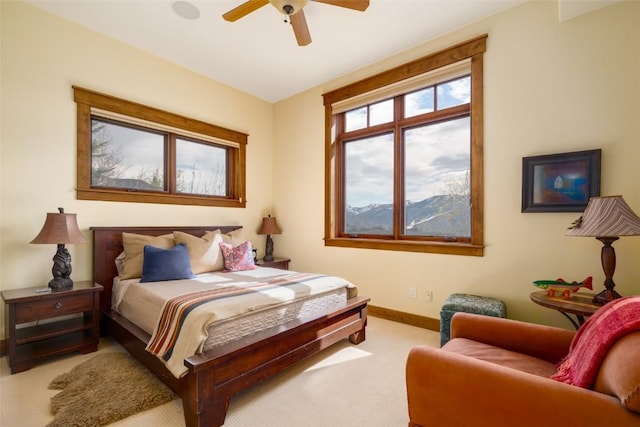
560	182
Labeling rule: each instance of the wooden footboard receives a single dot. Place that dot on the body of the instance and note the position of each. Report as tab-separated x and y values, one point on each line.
216	375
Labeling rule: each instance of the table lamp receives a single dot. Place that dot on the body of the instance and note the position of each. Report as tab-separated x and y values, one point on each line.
60	228
269	227
606	218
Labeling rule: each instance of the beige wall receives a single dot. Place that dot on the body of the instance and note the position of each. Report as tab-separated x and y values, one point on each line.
42	56
550	87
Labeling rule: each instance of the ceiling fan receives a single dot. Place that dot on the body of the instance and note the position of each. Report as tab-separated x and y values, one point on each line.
292	9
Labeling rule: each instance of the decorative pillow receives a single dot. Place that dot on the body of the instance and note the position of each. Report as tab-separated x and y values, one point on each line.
233	237
120	263
204	252
134	251
166	264
237	258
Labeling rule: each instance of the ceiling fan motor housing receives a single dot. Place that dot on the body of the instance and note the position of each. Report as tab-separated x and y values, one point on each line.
289	7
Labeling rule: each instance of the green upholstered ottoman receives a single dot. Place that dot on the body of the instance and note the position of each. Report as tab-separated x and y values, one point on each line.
468	304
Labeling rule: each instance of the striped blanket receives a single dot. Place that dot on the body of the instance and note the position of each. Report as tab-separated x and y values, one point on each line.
182	325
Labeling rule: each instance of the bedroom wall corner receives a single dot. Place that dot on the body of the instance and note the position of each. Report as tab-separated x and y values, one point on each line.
41	57
550	87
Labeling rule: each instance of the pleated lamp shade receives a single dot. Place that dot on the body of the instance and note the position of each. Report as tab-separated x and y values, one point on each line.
607	216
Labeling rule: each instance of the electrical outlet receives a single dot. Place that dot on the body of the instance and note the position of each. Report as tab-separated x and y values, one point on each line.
413	293
429	296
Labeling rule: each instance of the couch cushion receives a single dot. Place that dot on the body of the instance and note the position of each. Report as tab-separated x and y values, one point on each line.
619	373
500	356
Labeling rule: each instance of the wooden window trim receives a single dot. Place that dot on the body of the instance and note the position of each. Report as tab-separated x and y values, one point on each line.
86	99
472	49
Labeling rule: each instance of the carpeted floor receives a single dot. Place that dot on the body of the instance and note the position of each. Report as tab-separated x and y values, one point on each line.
344	385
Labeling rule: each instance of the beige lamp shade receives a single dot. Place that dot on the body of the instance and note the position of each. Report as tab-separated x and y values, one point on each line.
608	216
269	226
60	228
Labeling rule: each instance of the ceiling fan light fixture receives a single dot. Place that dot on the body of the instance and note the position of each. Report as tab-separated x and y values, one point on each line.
293	13
289	7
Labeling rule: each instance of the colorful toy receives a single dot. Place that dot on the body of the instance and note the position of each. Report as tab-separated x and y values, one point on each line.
562	286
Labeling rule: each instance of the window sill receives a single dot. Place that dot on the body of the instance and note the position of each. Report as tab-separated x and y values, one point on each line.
142	197
448	248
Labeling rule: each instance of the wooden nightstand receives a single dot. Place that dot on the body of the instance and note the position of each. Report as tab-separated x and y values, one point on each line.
35	340
281	263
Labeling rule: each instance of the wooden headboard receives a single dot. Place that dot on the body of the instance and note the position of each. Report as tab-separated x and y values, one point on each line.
107	245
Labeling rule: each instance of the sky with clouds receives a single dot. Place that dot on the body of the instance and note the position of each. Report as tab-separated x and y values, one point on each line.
143	153
435	155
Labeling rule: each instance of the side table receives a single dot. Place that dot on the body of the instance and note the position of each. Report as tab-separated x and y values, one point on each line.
72	323
281	263
578	304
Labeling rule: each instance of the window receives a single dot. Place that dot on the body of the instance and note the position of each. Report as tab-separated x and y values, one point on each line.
130	152
404	157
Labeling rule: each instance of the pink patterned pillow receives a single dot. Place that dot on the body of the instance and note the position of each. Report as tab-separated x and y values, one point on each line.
237	258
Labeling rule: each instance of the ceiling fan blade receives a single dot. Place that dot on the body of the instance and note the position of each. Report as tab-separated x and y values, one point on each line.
360	5
300	28
244	9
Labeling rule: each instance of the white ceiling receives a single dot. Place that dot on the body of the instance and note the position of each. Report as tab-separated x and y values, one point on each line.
258	54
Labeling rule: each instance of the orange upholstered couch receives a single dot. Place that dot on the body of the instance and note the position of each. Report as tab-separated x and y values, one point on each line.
495	373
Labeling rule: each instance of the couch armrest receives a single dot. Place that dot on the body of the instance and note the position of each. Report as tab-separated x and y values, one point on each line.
544	342
448	389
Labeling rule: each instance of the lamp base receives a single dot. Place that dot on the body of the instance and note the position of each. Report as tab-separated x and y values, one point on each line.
61	284
606	296
268	250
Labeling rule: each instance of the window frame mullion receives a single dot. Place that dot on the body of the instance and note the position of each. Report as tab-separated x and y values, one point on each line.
398	168
170	164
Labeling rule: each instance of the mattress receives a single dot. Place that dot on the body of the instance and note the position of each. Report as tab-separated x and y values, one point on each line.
143	303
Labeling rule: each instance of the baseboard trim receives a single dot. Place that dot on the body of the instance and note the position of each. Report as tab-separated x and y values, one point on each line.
402	317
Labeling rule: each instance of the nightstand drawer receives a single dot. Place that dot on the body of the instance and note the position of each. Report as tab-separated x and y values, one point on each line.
53	307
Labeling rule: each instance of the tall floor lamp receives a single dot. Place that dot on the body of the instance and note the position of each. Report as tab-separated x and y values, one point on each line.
269	226
606	218
60	228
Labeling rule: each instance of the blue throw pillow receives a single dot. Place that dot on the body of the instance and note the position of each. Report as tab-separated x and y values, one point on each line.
166	264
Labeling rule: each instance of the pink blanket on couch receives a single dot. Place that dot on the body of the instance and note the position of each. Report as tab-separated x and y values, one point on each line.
594	339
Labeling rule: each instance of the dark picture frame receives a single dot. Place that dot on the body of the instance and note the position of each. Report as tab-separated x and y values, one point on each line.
560	182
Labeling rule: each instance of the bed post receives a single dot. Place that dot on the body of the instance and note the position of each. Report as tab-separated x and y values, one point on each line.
203	404
359	336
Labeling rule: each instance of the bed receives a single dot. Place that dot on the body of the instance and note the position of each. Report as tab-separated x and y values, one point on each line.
218	373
